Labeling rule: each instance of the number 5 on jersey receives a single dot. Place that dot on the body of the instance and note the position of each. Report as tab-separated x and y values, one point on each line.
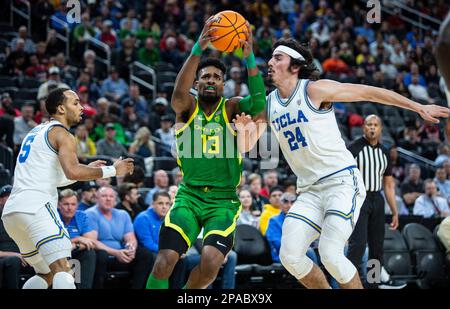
26	148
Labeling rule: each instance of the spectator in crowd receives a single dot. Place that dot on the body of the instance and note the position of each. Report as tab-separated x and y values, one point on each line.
443	154
54	80
10	257
246	216
271	209
159	109
274	229
167	136
161	180
442	183
114	87
88	195
7	107
114	231
30	46
130	121
109	146
177	176
129	196
398	170
235	87
270	179
430	204
6	131
140	103
419	92
143	145
149	54
171	53
108	35
148	223
81	235
254	183
85	146
411	140
412	187
125	56
23	124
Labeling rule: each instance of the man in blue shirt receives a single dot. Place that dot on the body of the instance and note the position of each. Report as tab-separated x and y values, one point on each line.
148	223
88	193
115	234
81	235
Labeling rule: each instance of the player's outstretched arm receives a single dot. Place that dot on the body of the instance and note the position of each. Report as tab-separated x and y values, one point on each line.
181	100
65	143
254	103
325	90
248	131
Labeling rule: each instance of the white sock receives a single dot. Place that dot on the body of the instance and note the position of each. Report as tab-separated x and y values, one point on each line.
35	282
384	276
63	280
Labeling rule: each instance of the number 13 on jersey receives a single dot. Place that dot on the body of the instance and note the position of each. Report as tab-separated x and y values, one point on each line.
295	138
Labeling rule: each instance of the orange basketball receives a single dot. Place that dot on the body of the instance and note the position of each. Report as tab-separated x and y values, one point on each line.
230	28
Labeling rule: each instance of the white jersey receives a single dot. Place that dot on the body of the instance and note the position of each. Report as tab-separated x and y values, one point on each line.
309	138
38	173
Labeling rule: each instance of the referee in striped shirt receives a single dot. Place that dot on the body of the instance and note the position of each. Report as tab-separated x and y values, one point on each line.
374	163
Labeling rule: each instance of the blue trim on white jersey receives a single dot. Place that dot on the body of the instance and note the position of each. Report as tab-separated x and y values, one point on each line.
46	136
311	105
268	108
350	215
304	219
350	167
62	233
277	94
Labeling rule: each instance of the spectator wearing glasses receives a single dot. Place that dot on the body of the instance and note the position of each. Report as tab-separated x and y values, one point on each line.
430	204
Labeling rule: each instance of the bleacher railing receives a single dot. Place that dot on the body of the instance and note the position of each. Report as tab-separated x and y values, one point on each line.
140	67
64	37
25	15
106	58
412	157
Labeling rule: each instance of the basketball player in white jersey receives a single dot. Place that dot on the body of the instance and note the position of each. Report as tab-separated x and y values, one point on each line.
47	160
331	189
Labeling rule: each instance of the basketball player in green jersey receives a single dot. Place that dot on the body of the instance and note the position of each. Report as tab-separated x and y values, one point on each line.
210	161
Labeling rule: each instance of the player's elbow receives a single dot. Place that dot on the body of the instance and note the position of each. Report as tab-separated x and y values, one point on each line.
71	174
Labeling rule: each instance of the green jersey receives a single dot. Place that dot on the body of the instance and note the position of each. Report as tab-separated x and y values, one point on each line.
207	151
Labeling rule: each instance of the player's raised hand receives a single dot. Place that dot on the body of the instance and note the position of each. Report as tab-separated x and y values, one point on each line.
244	122
97	163
430	112
207	34
247	45
124	166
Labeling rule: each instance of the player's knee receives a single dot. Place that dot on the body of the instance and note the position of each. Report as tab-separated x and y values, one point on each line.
336	263
165	263
61	265
296	262
63	280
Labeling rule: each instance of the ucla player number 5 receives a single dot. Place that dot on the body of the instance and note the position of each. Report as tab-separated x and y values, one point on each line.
26	148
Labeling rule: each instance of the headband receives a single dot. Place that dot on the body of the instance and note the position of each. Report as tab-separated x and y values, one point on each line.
291	52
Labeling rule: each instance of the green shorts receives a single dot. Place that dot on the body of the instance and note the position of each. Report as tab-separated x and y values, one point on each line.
213	209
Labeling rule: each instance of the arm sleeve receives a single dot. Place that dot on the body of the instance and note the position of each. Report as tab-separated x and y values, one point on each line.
254	103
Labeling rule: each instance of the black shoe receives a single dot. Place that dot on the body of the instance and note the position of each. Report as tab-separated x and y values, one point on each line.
392	285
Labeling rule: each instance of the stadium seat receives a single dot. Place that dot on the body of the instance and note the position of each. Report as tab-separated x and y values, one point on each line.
164	163
397	260
356	132
251	246
428	260
7	81
30	83
164	67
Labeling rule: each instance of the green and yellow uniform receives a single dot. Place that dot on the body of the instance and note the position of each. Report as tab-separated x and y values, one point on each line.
211	165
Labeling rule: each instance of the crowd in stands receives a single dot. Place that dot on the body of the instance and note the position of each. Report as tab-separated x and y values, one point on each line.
114	223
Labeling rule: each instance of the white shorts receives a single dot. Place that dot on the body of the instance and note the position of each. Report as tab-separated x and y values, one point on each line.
339	195
41	237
